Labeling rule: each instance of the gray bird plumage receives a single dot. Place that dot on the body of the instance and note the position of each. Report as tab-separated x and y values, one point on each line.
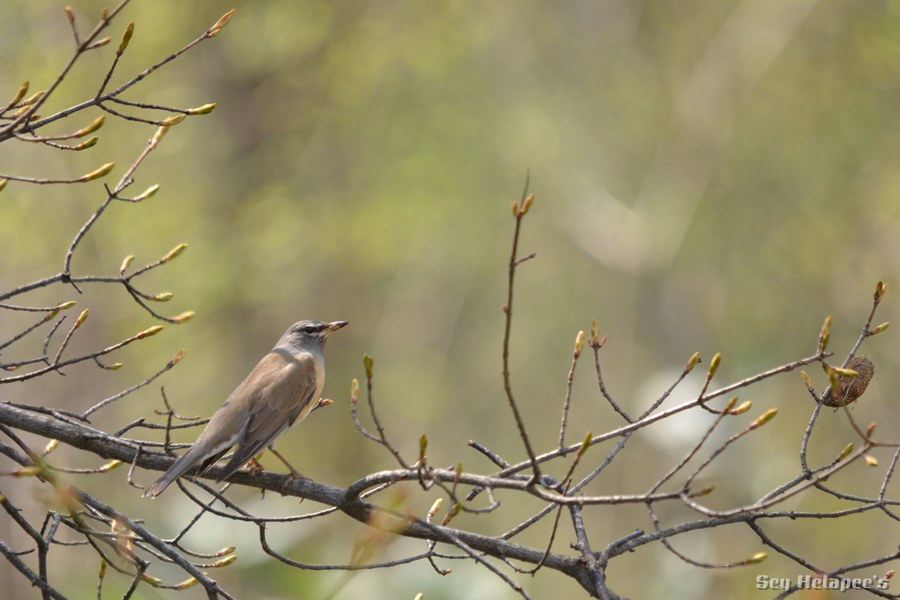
277	394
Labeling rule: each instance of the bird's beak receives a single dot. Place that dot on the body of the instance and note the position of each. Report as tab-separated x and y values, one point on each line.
334	326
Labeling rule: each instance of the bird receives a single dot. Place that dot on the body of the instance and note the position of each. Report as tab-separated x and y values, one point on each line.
279	392
851	388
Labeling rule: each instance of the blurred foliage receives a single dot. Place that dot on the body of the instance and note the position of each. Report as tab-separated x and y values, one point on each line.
712	176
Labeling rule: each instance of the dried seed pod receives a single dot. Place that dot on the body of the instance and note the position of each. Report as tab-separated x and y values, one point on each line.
852	387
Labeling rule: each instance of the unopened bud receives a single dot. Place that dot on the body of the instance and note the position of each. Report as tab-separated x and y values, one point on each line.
833	378
742	407
20	94
147	193
109	466
178	356
825	333
173	120
126	37
184	317
149	331
764	418
202	110
707	491
183	585
174	252
585	443
435	507
845	452
845	372
88	143
692	362
714	365
92	127
807	380
454	510
225	561
98	43
757	558
158	135
81	318
222	22
101	172
34	98
526	204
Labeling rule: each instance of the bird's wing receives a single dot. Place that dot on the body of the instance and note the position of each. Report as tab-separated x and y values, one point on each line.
284	389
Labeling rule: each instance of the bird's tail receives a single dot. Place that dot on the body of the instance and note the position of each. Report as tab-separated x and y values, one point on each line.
178	468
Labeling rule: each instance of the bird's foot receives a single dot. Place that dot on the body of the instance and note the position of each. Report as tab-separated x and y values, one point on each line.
294	475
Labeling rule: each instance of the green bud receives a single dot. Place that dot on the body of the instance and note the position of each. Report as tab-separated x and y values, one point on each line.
101	172
126	37
222	22
184	317
20	94
88	143
845	452
150	191
174	252
714	365
202	110
173	120
764	418
94	126
692	362
150	331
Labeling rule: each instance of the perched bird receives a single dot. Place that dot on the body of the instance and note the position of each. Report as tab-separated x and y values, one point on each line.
851	387
278	393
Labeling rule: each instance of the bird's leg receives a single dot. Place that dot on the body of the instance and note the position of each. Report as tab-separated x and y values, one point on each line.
254	465
295	474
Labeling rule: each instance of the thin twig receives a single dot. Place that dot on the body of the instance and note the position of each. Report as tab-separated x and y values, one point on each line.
518	212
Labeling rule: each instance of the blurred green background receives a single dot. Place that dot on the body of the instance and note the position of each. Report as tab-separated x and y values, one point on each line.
709	176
